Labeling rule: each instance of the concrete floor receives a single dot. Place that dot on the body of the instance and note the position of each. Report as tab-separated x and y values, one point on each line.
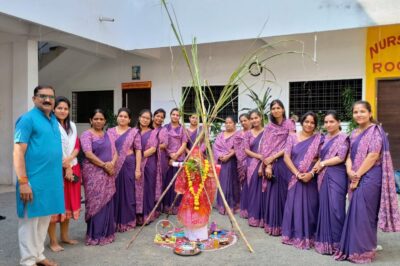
268	250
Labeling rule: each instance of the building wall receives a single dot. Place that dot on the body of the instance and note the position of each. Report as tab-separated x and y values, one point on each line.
338	54
382	55
6	134
143	24
18	77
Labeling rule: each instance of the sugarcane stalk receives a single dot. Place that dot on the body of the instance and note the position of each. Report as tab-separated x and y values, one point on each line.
134	237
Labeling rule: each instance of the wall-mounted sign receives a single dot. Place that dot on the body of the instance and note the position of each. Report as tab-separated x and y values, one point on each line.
382	58
135	85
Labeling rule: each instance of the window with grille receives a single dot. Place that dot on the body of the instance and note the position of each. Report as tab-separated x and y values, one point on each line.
321	96
84	102
211	92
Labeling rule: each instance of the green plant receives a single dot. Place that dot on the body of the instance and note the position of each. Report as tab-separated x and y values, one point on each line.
348	100
320	119
215	129
262	103
111	119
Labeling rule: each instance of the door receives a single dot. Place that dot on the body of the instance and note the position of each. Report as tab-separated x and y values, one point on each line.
389	114
136	100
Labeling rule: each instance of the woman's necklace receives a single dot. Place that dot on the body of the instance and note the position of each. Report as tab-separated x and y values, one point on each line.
120	130
361	130
98	133
304	136
331	136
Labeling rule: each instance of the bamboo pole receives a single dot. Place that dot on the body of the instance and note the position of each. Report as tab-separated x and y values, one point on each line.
228	209
160	199
200	107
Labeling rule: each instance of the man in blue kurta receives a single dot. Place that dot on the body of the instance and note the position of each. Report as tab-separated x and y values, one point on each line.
38	165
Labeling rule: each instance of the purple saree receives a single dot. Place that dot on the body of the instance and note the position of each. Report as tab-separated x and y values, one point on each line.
251	195
332	186
162	156
124	198
374	199
239	144
191	136
174	138
148	188
301	207
99	190
228	176
275	189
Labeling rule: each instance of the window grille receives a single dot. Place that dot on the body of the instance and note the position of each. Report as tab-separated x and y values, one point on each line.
321	96
211	92
84	102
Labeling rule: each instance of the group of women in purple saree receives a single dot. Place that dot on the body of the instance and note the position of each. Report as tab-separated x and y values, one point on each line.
121	173
295	184
292	184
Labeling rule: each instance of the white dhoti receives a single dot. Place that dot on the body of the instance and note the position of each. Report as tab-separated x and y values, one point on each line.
31	235
197	234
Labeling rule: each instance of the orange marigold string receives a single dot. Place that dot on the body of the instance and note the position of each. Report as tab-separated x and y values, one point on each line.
204	175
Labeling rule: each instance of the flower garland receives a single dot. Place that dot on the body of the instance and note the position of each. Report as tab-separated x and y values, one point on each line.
204	175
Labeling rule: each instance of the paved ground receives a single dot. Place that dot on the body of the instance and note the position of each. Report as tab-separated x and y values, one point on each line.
268	250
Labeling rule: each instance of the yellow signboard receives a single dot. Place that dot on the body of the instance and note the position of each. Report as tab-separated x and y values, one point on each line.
382	59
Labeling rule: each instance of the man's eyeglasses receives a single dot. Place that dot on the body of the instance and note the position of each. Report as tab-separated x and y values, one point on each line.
45	96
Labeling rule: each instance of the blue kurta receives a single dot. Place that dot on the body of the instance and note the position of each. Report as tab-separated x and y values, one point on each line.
43	163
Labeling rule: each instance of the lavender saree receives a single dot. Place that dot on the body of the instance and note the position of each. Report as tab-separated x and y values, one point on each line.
99	190
275	189
332	186
148	188
239	144
374	199
124	198
162	156
174	138
191	136
228	176
301	207
251	195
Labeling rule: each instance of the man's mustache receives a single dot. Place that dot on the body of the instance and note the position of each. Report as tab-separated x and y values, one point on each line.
46	103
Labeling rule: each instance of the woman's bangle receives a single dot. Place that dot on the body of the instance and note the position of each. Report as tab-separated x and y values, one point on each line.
297	174
312	174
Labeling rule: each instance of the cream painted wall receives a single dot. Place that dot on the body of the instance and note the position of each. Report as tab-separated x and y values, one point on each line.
18	78
339	54
6	134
